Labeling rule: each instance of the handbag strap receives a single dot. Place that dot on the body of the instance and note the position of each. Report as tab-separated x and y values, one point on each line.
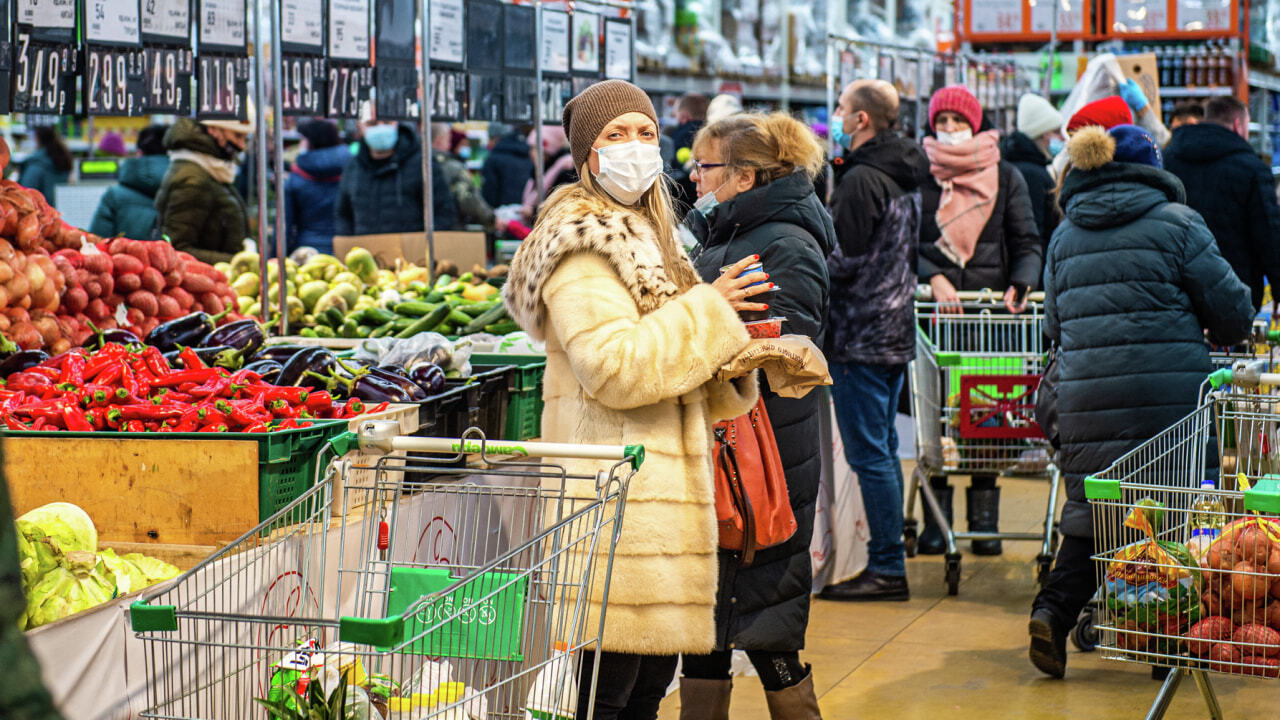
728	458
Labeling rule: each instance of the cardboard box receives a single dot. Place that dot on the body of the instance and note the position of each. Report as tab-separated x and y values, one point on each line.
465	249
1143	69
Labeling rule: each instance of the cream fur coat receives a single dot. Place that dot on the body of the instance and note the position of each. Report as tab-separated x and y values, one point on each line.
630	360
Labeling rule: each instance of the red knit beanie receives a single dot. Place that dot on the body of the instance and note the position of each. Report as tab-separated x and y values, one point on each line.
957	99
1105	113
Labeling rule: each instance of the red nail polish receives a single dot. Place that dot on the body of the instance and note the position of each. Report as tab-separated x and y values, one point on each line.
766	276
766	307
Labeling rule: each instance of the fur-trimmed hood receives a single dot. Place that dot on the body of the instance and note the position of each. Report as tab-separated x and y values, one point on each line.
576	221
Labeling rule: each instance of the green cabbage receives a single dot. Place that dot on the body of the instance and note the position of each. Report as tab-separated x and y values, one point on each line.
46	533
128	576
154	570
79	583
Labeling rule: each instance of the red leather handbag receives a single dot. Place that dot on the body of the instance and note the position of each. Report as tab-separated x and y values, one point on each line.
752	505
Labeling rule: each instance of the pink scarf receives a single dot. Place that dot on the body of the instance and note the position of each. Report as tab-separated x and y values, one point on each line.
969	174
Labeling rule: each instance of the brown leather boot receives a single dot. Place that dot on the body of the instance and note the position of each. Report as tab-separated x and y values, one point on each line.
704	699
797	702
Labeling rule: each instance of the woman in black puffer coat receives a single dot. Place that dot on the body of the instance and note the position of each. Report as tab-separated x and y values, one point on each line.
755	187
1132	280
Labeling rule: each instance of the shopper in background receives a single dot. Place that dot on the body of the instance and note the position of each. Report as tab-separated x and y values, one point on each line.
1030	149
1232	189
112	145
1186	113
977	232
506	170
754	176
722	106
197	206
633	344
1131	280
472	209
691	115
1106	113
311	189
871	336
129	209
381	188
557	169
47	167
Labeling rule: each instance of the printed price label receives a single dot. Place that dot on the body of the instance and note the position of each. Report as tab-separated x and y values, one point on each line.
1204	16
348	86
302	26
113	22
1140	16
168	80
448	95
995	17
349	30
44	78
1070	16
47	14
302	88
223	86
222	24
448	33
114	81
166	21
555	93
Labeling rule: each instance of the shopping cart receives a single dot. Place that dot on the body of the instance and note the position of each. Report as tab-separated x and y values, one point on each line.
461	596
973	385
1195	611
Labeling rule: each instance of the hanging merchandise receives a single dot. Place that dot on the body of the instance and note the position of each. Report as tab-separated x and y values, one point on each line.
655	31
746	16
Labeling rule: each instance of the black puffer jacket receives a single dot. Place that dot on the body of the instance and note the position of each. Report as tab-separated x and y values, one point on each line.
766	606
505	171
1230	186
1132	277
1023	153
876	208
1008	250
385	196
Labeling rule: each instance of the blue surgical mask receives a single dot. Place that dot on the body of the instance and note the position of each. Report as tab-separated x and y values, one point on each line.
1056	146
381	138
708	202
838	134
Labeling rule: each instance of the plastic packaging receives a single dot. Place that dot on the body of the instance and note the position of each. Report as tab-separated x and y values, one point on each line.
452	357
554	694
1207	518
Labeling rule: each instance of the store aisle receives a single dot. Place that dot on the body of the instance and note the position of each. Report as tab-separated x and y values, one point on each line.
965	657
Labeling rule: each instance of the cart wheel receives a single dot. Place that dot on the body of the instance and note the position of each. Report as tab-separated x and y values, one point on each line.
1044	563
909	536
953	574
1084	635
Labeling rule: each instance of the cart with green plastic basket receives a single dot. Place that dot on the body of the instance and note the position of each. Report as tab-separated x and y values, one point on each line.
973	389
1188	543
473	594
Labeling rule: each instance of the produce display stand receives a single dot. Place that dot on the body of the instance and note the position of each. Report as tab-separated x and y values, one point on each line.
1199	620
524	411
387	598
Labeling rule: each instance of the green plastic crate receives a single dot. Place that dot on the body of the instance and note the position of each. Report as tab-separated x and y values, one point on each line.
524	412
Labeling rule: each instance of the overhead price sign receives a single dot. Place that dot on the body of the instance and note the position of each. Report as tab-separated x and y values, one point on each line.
222	26
485	61
556	88
394	54
114	71
348	77
519	51
6	58
48	20
222	66
168	74
166	21
44	77
302	35
1026	20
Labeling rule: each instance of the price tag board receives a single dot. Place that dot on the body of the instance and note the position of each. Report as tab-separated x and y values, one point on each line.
48	20
349	30
112	22
484	36
44	77
1071	17
6	58
555	42
302	87
448	33
585	39
394	31
1205	16
222	87
485	98
114	81
166	22
222	26
397	90
555	93
302	27
346	87
168	73
519	93
448	95
995	17
1137	17
617	50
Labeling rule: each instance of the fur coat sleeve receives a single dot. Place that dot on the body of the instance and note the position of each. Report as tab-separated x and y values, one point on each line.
627	360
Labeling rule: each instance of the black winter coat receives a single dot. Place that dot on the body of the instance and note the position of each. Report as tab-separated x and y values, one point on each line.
876	208
1023	153
1008	251
385	196
1230	186
506	171
1132	278
766	606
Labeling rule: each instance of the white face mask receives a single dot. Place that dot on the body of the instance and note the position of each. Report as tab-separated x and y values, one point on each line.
709	201
628	170
955	138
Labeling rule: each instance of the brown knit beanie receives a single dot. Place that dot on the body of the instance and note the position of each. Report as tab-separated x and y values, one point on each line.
589	111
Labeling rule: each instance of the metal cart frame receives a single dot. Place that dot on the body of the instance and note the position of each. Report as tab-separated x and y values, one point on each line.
973	384
463	593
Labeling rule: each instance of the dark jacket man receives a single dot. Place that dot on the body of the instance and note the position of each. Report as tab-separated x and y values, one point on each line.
506	171
202	214
876	208
1023	153
1230	186
766	606
129	209
385	196
311	193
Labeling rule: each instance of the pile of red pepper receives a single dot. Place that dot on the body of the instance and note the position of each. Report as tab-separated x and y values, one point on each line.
134	389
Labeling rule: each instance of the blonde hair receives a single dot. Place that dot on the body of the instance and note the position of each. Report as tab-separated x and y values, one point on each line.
772	146
654	207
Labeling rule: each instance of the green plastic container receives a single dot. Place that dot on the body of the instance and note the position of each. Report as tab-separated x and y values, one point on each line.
524	410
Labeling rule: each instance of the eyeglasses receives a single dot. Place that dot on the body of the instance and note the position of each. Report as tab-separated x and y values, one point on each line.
701	167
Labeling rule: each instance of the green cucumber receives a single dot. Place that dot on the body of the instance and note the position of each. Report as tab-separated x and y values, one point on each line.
383	330
502	327
426	322
307	332
376	316
434	296
491	316
350	329
414	309
404	322
475	310
459	318
443	280
324	331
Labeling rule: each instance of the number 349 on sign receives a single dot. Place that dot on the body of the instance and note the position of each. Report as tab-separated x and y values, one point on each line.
42	74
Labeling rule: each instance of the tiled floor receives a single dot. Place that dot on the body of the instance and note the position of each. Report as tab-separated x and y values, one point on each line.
966	656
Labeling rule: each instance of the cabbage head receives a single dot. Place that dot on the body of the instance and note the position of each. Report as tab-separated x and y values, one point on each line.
79	583
154	570
129	577
61	525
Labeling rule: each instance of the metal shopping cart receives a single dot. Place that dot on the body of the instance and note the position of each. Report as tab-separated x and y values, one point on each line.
1200	611
470	594
973	385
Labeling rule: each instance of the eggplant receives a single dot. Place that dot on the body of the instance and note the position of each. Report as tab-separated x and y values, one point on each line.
372	388
280	353
268	369
22	360
100	338
397	376
429	377
317	360
243	335
189	330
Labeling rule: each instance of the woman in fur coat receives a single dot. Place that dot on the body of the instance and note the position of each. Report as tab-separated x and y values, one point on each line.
633	342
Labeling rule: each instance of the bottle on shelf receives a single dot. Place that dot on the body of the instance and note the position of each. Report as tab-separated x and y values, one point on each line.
1164	65
1179	61
1208	515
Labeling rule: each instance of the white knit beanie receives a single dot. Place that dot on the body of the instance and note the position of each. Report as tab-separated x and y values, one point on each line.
1037	116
